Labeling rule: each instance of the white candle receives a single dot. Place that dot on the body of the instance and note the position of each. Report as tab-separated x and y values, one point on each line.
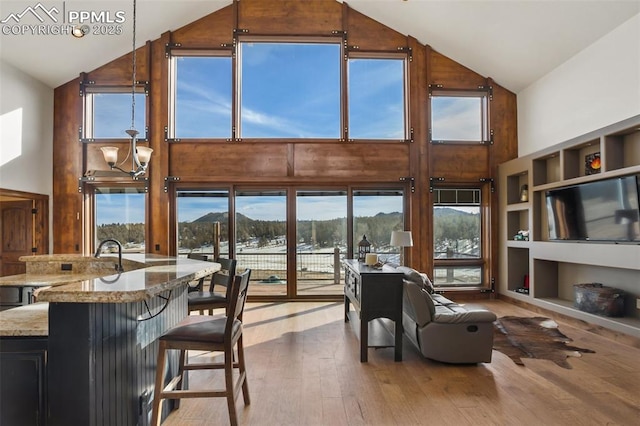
371	259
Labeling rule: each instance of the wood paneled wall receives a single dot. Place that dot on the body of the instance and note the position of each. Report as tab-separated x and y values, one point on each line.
284	162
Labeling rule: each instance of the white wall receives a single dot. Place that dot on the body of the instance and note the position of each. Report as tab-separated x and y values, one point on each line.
597	87
26	132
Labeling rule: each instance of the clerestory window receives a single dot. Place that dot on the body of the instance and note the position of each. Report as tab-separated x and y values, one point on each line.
459	116
107	112
201	96
289	90
377	98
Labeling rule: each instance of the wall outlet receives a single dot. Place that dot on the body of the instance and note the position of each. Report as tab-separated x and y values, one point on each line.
638	303
66	266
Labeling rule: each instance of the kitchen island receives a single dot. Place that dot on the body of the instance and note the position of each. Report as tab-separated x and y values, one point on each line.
98	358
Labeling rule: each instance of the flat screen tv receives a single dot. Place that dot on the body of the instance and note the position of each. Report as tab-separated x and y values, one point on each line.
605	210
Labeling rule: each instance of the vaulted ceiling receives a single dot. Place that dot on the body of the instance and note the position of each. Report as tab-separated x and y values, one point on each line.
515	42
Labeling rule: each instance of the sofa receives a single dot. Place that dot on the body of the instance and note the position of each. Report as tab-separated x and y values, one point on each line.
441	329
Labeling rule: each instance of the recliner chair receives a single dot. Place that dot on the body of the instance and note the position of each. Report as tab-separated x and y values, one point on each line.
441	329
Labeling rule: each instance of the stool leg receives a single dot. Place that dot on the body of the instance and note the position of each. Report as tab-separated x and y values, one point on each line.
156	413
242	370
228	378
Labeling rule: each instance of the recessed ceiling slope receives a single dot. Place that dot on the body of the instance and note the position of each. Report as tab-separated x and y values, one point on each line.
512	41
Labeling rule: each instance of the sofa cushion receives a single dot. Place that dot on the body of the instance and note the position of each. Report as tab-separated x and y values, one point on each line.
414	276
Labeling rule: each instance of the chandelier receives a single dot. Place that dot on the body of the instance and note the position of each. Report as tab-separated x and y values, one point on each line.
140	155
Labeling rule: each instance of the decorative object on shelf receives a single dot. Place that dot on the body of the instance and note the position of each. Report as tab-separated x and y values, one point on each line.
140	155
524	193
533	337
401	239
364	247
592	163
595	298
522	235
371	259
525	285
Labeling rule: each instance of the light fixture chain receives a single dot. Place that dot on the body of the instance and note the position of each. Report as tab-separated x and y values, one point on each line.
133	77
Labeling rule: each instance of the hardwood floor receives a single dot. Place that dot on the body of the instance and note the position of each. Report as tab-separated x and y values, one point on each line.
303	369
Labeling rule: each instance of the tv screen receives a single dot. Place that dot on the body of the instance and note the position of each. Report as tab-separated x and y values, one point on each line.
606	210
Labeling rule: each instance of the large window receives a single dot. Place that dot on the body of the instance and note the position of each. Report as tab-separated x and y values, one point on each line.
120	214
457	237
202	94
459	117
289	90
108	114
376	98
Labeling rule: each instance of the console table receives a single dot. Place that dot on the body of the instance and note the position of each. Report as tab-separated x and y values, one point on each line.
374	293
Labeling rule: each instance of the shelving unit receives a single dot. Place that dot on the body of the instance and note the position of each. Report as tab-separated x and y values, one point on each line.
553	267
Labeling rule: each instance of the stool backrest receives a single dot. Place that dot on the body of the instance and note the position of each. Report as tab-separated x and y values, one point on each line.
237	297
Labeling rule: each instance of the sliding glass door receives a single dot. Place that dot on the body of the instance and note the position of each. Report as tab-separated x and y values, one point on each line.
376	213
292	238
261	239
321	241
203	222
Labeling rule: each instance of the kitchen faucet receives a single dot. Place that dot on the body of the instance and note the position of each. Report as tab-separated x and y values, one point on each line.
119	267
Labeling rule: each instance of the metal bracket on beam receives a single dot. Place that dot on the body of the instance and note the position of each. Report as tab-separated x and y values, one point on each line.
488	89
167	138
407	50
412	182
433	179
433	87
168	47
491	181
169	179
84	84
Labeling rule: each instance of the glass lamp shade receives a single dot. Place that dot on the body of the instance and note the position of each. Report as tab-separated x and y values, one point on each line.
144	154
401	239
110	154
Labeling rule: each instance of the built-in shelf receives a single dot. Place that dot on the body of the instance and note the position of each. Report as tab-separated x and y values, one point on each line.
554	267
574	158
516	184
546	169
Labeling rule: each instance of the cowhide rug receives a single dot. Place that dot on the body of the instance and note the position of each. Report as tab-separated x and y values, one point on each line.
533	337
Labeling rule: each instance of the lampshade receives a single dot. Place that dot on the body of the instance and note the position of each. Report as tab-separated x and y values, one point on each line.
144	154
401	239
110	154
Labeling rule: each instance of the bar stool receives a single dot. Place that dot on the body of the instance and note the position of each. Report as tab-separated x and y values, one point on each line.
208	300
206	333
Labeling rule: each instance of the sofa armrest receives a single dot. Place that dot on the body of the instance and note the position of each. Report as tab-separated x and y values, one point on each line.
456	314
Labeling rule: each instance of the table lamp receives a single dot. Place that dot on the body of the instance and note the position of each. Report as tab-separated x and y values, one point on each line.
401	239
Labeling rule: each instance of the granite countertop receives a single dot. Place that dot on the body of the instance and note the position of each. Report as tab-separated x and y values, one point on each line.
28	320
155	274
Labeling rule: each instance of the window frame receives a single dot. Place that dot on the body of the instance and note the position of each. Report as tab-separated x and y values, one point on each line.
334	40
405	94
172	87
90	207
483	261
88	111
483	94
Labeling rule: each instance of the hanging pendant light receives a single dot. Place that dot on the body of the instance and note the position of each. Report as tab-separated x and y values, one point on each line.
140	155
